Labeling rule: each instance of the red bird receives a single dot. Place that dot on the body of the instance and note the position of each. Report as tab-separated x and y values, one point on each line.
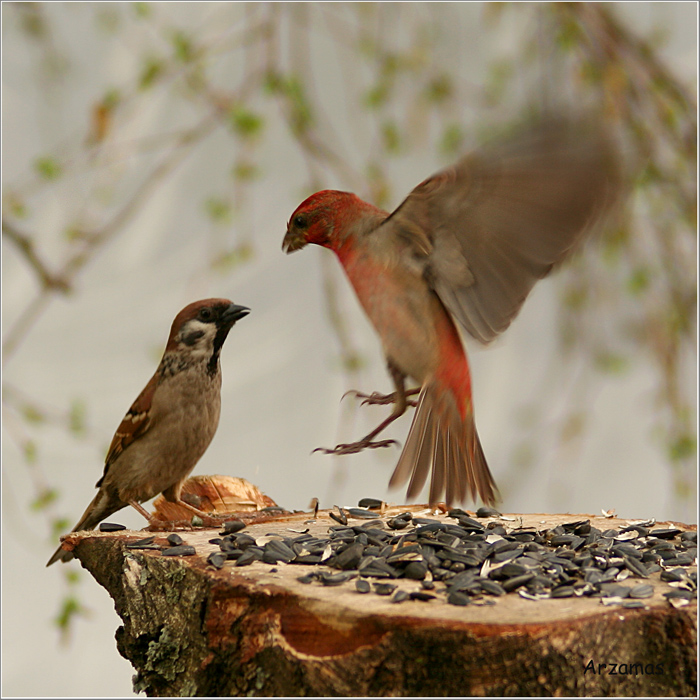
467	244
171	423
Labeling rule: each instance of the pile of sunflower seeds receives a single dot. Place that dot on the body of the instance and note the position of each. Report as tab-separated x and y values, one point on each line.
475	560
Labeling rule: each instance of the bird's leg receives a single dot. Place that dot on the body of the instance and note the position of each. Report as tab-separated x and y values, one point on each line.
400	401
377	399
155	523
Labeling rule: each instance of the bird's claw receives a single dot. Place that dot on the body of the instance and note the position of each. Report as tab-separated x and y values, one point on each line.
354	447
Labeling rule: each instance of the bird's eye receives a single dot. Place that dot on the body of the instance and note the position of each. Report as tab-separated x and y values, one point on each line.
205	314
300	221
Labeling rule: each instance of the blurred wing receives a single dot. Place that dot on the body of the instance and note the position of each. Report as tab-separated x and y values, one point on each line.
136	422
483	231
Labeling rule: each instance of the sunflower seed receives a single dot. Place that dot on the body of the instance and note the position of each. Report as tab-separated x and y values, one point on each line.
111	527
183	550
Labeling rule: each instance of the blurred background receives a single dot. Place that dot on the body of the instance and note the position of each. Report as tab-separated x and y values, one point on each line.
152	154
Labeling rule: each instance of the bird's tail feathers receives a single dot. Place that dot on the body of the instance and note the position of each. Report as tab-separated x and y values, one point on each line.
445	444
100	507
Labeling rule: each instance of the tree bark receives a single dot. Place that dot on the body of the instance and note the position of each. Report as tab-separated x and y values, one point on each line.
190	629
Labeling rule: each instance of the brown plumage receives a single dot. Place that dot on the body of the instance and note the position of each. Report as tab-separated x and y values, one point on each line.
171	423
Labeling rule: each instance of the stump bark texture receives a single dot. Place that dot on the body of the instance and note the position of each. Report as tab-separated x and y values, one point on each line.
190	629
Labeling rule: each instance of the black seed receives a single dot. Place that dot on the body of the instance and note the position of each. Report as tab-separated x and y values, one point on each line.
243	541
416	570
400	596
174	539
140	543
231	526
487	512
643	590
629	550
350	557
369	503
307	559
361	513
690	536
512	583
680	560
636	567
457	598
665	533
673	575
496	529
421	595
615	590
308	578
679	593
562	592
428	585
338	519
384	588
397	523
362	586
249	556
233	554
216	559
183	550
111	527
491	587
336	579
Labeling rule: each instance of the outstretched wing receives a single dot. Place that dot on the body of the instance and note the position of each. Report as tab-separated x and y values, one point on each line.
483	231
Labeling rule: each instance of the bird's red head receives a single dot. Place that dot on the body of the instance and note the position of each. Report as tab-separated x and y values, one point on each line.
326	218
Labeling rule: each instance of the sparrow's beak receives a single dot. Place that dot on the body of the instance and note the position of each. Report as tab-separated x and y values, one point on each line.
293	240
234	313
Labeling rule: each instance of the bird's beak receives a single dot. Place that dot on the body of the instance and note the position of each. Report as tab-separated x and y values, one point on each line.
234	313
293	241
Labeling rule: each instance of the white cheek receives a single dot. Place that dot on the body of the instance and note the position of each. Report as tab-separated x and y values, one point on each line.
202	346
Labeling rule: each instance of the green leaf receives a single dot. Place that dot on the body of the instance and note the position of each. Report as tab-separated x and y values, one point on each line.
439	89
683	447
611	362
32	414
72	576
452	140
69	608
30	451
141	9
219	210
234	257
44	499
639	280
76	417
377	95
245	171
49	168
150	72
58	527
245	123
391	137
182	45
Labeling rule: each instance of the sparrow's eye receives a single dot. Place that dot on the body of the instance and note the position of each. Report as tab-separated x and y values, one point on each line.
206	314
300	221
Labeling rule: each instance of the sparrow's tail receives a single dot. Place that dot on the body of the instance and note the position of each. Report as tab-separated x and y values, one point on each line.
443	440
100	507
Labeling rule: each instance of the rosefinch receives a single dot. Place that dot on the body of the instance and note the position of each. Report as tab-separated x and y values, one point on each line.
468	244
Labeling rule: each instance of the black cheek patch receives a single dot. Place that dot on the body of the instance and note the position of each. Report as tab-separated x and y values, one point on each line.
192	338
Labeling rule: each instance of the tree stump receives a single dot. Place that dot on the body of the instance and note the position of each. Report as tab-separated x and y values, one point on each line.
192	629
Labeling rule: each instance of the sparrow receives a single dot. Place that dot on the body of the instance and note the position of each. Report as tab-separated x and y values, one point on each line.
464	248
171	423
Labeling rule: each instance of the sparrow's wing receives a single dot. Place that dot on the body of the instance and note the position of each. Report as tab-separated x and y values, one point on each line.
136	422
483	231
